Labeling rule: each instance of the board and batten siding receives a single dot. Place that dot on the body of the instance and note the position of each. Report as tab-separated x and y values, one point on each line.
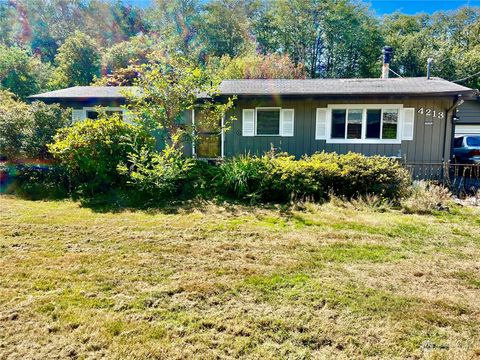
426	146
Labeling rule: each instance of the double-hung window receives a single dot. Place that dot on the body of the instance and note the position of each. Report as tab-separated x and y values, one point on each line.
361	123
268	121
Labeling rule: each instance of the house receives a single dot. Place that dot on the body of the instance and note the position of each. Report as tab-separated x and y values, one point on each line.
408	118
468	117
85	99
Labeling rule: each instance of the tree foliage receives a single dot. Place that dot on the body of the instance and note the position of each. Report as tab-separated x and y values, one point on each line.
78	62
21	73
25	130
255	66
169	86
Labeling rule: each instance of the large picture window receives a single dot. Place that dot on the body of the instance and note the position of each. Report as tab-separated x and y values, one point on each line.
268	121
368	122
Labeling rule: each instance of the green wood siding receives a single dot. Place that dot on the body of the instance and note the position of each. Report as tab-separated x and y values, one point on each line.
427	146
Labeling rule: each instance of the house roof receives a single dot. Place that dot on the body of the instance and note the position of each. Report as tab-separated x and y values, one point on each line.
390	86
82	92
264	87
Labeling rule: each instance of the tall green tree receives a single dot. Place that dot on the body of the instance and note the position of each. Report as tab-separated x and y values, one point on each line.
452	39
295	29
21	73
331	38
78	62
224	26
175	21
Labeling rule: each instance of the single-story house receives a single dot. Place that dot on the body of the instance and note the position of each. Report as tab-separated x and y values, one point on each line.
468	117
408	118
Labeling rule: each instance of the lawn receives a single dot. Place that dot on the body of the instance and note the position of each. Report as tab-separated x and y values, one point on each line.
226	281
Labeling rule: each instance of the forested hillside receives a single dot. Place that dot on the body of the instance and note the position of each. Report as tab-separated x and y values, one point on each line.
50	44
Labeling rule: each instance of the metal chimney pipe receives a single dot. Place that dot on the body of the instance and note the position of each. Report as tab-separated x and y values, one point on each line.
429	66
387	56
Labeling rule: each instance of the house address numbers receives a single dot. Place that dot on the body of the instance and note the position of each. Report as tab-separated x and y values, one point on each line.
431	112
430	115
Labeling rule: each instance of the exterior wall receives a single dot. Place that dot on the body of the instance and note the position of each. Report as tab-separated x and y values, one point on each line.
469	112
468	115
427	147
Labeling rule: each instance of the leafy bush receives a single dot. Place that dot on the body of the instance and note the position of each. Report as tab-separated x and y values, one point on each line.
92	150
283	178
244	176
41	181
426	197
159	175
374	175
25	130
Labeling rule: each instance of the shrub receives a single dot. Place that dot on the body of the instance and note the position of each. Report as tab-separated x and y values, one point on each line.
92	150
283	178
158	175
25	130
310	178
41	181
244	177
426	197
375	175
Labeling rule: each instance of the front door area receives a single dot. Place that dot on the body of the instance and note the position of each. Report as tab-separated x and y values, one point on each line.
208	139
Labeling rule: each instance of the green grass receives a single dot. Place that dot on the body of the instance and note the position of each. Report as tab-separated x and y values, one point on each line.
226	281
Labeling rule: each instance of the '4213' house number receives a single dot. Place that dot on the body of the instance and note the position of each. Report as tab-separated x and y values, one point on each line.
431	113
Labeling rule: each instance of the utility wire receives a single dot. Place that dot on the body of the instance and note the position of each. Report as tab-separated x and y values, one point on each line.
468	77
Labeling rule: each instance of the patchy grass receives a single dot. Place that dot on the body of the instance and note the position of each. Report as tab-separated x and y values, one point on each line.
227	281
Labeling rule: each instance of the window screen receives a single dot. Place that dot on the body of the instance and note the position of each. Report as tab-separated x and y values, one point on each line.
268	122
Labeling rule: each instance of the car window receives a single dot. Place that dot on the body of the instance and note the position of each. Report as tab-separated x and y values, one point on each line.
458	142
473	141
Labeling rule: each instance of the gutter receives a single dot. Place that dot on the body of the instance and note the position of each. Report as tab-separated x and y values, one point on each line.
458	101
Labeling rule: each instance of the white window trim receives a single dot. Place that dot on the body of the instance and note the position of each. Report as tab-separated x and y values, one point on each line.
279	120
364	108
105	108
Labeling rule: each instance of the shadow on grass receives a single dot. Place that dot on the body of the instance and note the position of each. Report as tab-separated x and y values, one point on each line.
120	200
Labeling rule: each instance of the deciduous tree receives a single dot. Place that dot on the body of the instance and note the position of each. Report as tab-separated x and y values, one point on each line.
78	61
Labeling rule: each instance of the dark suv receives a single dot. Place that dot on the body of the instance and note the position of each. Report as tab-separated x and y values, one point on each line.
466	149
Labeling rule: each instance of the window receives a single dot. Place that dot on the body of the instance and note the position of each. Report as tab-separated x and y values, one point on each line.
458	142
390	121
473	141
268	121
338	123
354	123
207	143
354	126
374	123
93	114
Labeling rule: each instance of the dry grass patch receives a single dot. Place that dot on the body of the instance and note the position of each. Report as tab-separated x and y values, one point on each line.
229	281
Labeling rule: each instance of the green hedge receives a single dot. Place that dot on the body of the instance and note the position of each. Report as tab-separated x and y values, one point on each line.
313	177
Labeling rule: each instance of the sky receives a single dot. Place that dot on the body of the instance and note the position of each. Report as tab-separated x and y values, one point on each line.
382	7
416	6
